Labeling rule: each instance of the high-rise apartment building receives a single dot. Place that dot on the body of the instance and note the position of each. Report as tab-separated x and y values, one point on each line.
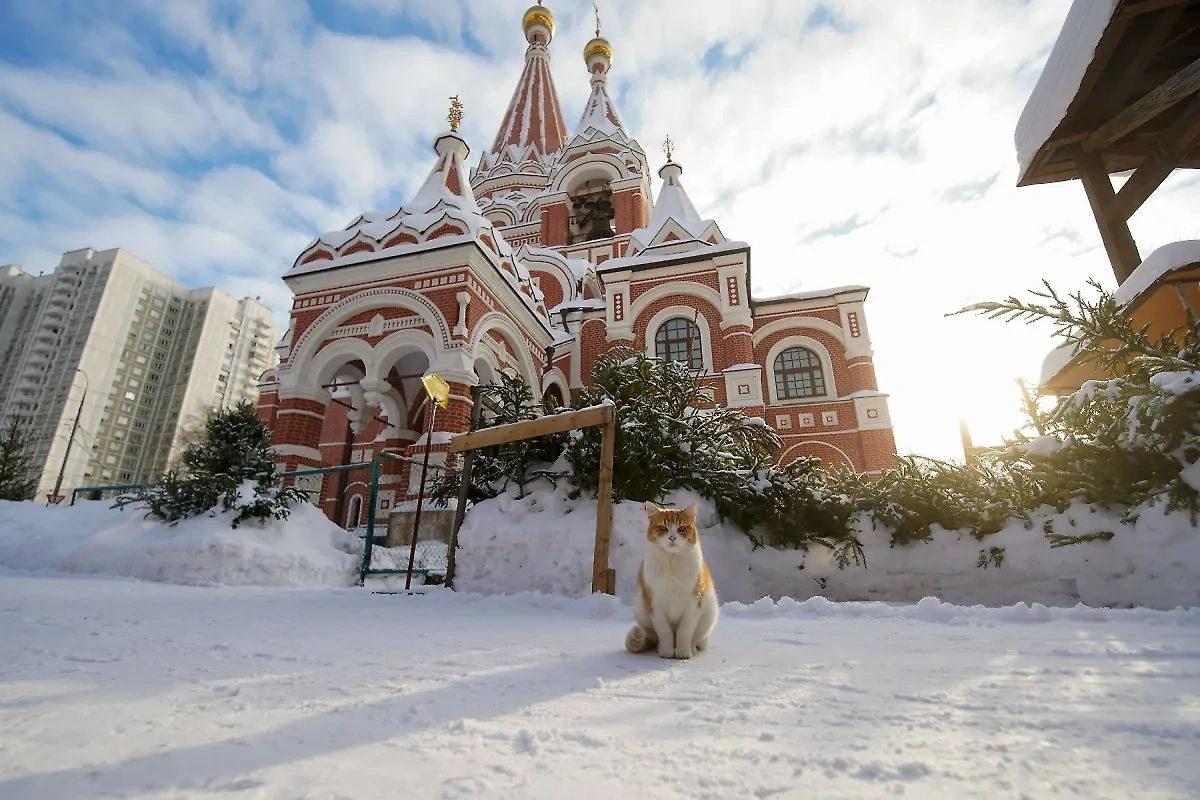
137	357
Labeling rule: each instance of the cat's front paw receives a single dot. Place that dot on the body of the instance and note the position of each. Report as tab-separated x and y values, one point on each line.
683	652
665	651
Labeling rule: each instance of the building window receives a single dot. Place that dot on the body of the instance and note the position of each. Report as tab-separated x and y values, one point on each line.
678	339
798	374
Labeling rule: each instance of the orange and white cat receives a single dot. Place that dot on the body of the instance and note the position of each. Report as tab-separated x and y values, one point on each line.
675	603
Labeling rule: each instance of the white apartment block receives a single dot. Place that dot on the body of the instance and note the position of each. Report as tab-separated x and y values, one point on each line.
140	358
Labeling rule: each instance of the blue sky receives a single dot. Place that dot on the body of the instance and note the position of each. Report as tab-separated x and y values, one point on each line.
849	141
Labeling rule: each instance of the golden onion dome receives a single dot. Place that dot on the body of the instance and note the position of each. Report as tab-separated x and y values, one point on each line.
598	46
538	15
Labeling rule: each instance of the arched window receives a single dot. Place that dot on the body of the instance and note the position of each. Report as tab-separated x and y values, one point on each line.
553	397
798	374
678	339
354	514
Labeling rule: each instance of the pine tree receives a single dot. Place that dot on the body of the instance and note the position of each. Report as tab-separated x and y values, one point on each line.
17	481
232	469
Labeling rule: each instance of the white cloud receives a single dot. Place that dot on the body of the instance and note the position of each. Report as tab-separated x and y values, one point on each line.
849	141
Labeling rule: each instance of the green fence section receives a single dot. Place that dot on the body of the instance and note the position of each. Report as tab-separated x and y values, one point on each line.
370	540
100	492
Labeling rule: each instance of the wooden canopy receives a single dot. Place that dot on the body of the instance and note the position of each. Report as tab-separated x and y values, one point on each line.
1136	105
1137	110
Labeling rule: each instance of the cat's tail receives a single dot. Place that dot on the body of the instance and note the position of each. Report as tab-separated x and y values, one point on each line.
637	641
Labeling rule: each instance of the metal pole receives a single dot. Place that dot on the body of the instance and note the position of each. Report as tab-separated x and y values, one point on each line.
70	441
370	540
464	485
412	551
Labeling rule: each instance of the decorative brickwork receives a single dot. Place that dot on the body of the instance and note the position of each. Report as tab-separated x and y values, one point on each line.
426	309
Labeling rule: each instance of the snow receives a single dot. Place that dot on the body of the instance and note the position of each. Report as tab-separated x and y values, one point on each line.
1043	446
650	257
120	689
674	205
1191	475
93	538
600	114
438	202
544	542
1055	362
1061	77
1160	263
1176	383
813	295
580	304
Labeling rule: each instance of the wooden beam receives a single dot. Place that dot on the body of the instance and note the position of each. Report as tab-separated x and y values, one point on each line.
1118	241
542	426
1145	6
1135	61
1179	86
601	580
1173	144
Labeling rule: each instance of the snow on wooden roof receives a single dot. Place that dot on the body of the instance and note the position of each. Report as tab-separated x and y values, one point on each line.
1062	76
1162	263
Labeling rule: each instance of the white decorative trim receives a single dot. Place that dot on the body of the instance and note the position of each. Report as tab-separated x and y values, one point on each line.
849	460
383	297
673	290
521	346
743	387
790	323
309	453
311	394
555	377
464	299
826	368
299	412
865	406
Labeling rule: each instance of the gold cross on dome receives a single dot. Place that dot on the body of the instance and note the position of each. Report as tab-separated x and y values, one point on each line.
596	8
456	113
668	147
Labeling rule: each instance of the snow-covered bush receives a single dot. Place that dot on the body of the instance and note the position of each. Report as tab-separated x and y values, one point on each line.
1122	443
232	469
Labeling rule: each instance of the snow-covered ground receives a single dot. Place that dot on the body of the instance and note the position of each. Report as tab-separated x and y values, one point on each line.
112	688
544	542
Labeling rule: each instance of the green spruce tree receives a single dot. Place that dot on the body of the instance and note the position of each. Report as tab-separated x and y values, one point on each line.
231	469
17	480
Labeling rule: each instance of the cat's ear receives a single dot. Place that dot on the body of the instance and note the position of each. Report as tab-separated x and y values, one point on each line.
652	509
690	512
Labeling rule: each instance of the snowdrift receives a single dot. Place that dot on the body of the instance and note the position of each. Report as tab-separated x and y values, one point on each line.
543	543
92	538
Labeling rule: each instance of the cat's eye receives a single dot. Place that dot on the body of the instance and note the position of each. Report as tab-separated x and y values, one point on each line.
662	527
683	528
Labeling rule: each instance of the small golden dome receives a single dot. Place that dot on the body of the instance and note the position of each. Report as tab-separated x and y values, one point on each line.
538	15
598	46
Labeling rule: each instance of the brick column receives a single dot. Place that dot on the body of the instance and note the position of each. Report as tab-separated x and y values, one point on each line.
555	225
296	437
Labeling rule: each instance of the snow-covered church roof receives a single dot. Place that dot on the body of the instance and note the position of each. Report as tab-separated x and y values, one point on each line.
443	212
675	225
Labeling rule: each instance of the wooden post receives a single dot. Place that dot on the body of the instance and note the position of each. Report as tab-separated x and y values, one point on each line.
464	486
600	570
1118	242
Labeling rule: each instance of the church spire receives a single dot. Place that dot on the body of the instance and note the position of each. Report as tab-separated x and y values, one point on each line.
599	113
534	116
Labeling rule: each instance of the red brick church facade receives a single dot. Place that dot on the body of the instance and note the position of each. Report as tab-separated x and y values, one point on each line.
551	251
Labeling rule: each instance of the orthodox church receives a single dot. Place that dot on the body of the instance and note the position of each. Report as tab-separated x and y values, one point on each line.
551	250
